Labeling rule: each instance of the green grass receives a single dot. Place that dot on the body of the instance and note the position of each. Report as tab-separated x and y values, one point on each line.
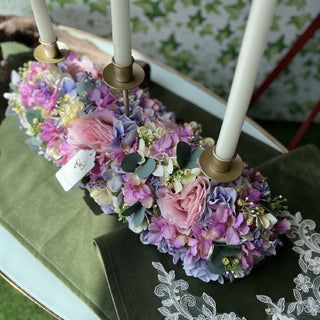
15	306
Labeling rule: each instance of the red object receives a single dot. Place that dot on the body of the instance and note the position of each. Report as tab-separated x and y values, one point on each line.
297	46
313	27
304	127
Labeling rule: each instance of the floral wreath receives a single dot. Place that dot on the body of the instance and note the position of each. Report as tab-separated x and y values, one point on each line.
146	169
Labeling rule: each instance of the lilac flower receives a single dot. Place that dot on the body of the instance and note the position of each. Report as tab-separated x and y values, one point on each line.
251	195
101	96
160	229
83	76
50	133
113	176
177	253
165	144
198	268
221	195
124	129
144	237
68	86
264	188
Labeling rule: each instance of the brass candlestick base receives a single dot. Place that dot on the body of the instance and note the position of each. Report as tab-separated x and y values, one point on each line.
51	52
123	78
218	170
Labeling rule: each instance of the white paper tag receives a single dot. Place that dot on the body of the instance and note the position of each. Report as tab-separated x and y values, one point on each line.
76	168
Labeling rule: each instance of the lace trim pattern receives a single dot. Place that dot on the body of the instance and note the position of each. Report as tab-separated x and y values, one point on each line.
178	304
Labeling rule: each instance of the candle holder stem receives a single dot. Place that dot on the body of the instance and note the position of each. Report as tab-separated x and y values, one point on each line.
125	95
51	52
123	78
219	170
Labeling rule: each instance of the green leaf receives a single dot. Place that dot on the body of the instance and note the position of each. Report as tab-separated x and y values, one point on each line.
192	162
130	162
132	209
146	169
32	114
229	250
139	216
183	153
13	87
83	87
36	142
216	265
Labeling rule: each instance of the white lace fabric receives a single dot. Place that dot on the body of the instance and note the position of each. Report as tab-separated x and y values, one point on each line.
178	303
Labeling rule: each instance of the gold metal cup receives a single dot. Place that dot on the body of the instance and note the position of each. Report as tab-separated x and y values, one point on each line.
51	52
218	170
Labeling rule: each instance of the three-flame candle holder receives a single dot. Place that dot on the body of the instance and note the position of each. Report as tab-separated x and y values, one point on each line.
123	78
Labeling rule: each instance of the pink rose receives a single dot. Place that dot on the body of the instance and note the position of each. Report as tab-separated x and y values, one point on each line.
92	131
185	208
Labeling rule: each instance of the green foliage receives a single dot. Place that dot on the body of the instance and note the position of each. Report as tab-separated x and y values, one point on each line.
185	158
130	162
213	6
234	10
195	21
99	6
274	48
138	26
62	3
150	8
300	21
216	266
183	153
298	3
138	211
146	168
32	115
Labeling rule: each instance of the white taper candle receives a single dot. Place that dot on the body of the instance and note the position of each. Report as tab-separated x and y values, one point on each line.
43	21
121	35
252	48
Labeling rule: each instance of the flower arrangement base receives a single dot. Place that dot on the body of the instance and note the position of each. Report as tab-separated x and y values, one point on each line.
146	169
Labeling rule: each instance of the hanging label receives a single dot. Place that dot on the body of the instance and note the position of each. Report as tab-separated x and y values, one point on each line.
76	168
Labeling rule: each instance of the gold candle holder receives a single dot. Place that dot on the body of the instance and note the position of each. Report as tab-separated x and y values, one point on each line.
51	52
218	170
123	78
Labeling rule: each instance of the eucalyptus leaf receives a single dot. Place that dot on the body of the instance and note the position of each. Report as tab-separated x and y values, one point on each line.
13	87
192	162
83	87
183	153
36	142
146	169
130	162
139	216
132	209
32	114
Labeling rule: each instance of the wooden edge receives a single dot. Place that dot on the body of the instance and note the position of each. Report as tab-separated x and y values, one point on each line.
16	287
173	71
